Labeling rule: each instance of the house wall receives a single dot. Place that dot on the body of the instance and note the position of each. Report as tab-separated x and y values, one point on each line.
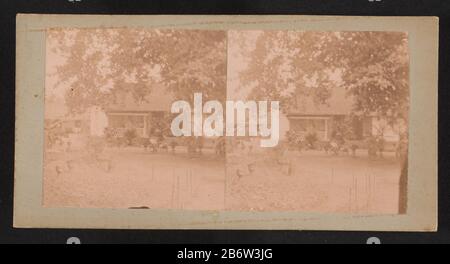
98	122
145	123
321	125
364	128
367	127
331	127
122	121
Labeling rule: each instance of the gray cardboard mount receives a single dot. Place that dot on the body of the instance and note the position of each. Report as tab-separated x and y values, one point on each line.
30	76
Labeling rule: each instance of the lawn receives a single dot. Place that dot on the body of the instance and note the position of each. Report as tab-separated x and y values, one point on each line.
316	182
133	178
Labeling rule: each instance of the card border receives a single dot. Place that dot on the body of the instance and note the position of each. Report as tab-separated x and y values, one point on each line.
30	82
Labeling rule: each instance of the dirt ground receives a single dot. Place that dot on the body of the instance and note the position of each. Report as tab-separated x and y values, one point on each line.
135	178
315	182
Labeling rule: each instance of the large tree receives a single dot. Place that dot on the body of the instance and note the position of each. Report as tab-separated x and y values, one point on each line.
372	66
100	62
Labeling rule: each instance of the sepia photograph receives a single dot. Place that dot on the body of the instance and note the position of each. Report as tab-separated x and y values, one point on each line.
342	122
108	102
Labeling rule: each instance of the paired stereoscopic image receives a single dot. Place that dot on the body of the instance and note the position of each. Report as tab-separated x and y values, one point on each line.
261	121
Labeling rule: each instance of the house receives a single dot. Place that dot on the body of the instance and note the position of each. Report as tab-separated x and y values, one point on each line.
325	120
149	117
145	115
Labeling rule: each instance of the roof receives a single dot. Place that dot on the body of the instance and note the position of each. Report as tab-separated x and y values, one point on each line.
339	103
158	100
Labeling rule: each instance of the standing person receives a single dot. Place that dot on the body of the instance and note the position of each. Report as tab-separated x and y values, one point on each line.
283	159
146	143
220	146
190	146
380	145
372	147
247	159
154	144
173	145
242	159
200	141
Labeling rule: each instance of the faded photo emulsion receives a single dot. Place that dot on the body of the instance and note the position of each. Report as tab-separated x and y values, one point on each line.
227	120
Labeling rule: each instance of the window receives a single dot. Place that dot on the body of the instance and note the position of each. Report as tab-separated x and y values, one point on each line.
137	121
126	121
117	121
300	125
318	125
358	129
311	125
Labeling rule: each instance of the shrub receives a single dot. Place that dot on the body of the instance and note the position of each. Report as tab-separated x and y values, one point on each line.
311	140
130	135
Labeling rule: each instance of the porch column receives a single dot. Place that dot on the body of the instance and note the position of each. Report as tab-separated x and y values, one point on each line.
145	134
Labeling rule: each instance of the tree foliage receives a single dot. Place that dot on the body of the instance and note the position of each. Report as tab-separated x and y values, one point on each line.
100	62
373	67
